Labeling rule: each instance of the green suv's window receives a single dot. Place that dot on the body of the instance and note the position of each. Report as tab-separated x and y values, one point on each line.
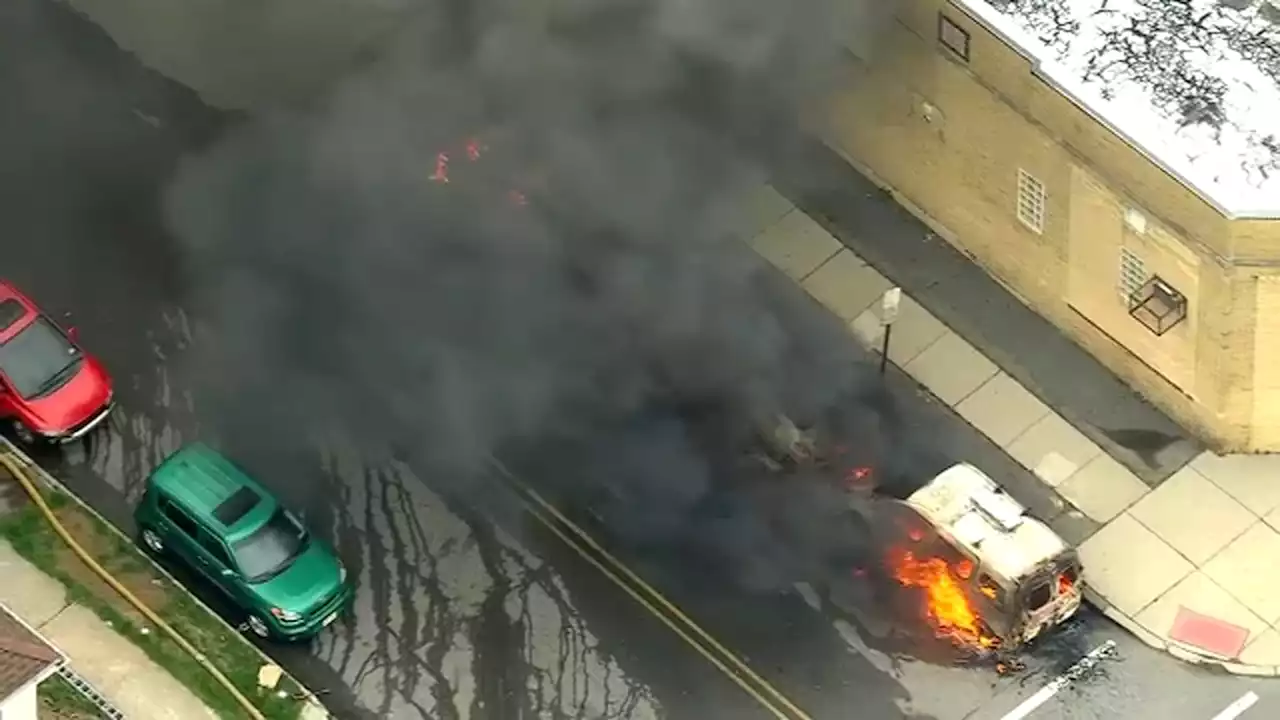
215	549
178	518
271	548
233	509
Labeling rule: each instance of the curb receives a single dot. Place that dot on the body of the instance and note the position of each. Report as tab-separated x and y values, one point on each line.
312	708
1177	650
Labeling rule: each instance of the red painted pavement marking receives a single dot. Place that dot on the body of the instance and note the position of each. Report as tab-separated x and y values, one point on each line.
1210	634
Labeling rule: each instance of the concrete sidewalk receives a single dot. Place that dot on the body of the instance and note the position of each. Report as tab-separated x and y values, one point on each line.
1186	563
892	238
116	667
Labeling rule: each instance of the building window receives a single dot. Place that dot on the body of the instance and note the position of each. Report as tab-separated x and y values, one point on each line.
1133	273
953	37
1031	202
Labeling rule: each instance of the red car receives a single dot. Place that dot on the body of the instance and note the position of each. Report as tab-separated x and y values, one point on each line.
50	388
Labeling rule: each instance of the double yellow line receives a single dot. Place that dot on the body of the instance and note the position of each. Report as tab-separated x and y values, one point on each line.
650	599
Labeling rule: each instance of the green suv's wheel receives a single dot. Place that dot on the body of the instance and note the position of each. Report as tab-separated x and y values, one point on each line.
258	626
151	541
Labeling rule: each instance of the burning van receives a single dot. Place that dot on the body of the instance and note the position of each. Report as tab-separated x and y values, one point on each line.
990	575
1018	578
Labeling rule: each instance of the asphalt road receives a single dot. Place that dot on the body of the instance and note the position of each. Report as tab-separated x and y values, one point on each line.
459	614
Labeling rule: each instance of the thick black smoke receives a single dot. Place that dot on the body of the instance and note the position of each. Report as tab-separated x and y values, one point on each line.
347	287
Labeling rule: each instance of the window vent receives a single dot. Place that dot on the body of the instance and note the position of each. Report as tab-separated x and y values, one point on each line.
1133	273
953	37
1031	202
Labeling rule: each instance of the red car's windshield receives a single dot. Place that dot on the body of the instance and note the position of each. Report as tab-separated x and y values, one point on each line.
38	359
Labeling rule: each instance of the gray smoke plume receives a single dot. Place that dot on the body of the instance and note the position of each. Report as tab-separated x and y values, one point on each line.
579	268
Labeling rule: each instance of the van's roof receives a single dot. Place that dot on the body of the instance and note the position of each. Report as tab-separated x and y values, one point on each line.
219	494
992	526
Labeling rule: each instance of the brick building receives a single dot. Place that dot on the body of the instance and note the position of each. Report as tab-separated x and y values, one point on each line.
1116	165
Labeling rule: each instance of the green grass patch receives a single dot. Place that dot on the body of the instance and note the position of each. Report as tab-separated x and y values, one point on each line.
36	540
59	700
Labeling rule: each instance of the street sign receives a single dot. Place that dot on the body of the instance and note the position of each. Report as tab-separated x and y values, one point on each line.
889	305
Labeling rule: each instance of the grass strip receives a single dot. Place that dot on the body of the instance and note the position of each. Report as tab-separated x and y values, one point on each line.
35	539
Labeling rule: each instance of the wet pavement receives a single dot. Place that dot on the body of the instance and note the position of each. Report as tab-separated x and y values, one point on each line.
459	614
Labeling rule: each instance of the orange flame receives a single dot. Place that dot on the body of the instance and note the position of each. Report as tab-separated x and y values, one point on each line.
946	604
1065	584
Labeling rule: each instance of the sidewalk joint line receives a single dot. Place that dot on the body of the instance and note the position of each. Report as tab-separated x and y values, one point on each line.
819	266
65	604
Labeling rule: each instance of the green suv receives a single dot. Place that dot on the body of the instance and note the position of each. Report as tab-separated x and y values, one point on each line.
205	512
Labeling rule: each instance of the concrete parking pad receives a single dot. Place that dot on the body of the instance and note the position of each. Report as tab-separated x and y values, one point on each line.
29	593
1193	515
914	330
866	329
1202	595
762	207
951	368
1273	519
1246	568
1103	488
1253	480
1263	649
1002	409
112	666
1129	566
1053	469
1053	436
796	245
846	285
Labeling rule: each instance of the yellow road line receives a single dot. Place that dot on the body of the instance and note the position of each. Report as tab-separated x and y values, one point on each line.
737	678
778	699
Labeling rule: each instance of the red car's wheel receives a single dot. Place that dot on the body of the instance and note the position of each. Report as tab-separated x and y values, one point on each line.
24	434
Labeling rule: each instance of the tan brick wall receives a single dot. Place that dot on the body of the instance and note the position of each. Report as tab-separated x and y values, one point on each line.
950	135
1265	431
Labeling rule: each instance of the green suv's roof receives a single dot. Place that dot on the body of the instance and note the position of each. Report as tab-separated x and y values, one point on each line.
218	493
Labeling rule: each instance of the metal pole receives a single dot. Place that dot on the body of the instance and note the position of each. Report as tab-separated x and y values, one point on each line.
888	313
884	349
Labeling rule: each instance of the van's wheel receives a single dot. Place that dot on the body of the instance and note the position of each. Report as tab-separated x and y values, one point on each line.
24	434
258	626
151	540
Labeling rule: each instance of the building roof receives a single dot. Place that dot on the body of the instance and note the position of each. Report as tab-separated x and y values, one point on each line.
1193	84
989	523
24	655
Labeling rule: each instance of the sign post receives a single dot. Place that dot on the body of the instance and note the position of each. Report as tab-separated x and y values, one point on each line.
888	313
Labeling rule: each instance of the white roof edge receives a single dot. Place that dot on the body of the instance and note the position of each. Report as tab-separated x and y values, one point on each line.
991	19
62	656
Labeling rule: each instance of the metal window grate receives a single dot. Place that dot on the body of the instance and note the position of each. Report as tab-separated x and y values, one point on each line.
1031	202
1133	273
1158	306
